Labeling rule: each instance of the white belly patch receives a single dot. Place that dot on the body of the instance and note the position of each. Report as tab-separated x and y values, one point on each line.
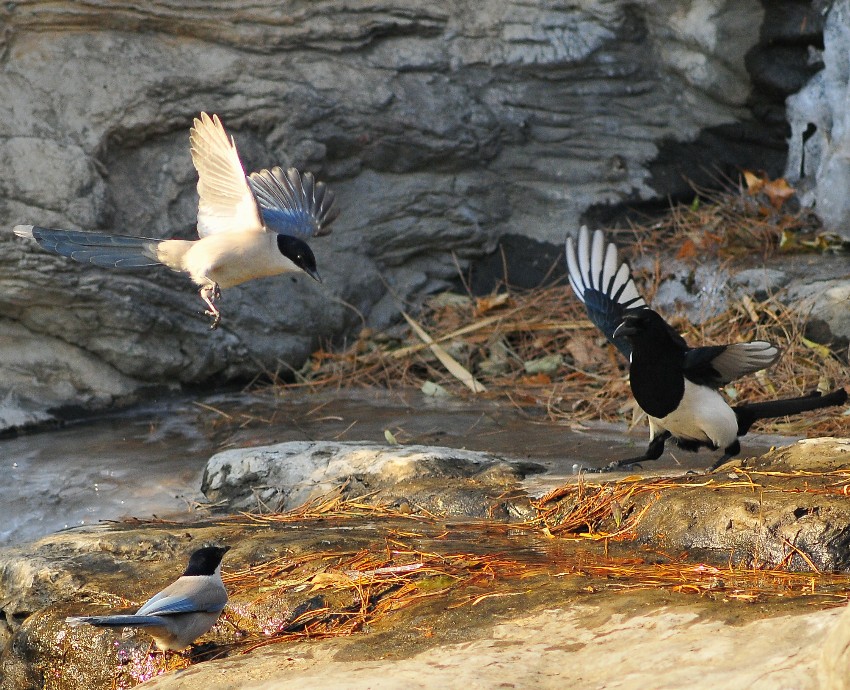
703	416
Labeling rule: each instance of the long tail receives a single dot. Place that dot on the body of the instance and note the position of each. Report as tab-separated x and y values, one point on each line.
111	251
127	621
748	414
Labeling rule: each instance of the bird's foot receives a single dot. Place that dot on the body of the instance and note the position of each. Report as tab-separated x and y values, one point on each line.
624	465
211	293
216	318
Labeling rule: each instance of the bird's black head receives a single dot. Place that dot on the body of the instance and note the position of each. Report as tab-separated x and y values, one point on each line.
299	253
635	323
205	560
639	322
647	328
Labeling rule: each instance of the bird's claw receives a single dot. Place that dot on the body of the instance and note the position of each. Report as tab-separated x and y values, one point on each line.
613	466
211	293
216	318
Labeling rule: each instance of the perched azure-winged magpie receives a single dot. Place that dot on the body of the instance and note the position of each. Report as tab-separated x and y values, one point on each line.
249	227
674	384
183	611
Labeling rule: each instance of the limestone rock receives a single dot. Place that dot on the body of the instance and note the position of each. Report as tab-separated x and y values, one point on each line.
825	302
287	475
808	455
817	162
834	670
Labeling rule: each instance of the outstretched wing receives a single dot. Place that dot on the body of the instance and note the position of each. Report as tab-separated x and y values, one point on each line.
603	283
292	203
721	364
225	199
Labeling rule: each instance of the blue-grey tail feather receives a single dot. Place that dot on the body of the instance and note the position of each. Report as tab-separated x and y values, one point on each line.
110	251
128	621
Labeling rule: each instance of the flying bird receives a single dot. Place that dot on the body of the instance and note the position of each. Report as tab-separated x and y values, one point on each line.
674	384
248	227
183	611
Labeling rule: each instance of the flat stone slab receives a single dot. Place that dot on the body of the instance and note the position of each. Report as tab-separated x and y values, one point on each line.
580	646
286	475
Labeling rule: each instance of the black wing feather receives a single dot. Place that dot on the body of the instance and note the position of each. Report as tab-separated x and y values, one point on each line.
603	283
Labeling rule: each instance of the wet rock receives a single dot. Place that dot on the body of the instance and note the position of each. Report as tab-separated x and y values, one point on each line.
445	481
440	126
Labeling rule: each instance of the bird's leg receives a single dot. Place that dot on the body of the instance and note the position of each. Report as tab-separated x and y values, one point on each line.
210	293
653	452
731	451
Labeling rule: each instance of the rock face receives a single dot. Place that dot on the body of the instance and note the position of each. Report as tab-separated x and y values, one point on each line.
441	126
817	159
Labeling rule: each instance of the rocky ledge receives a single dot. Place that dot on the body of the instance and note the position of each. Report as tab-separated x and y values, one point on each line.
373	582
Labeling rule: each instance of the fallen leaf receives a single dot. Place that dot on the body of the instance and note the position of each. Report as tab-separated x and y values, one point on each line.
538	379
688	250
754	182
821	350
778	191
485	304
454	367
543	365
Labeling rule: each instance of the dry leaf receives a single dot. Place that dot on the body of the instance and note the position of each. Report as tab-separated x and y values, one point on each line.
454	367
582	349
778	191
753	181
821	350
688	250
485	304
539	379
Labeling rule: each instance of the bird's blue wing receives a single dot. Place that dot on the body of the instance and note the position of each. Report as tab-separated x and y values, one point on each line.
293	204
603	283
164	606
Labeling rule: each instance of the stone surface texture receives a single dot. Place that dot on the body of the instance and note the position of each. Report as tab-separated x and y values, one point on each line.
558	626
441	126
820	127
286	475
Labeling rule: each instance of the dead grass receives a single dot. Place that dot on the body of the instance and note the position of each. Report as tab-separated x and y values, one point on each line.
537	350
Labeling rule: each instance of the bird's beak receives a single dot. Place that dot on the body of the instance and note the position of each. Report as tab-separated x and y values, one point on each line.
315	275
624	330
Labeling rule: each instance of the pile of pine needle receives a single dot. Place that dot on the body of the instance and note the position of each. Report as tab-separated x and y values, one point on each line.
536	349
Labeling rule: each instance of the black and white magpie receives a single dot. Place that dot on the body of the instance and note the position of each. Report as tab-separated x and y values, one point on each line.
674	384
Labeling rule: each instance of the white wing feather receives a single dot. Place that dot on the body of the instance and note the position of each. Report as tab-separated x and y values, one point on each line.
226	201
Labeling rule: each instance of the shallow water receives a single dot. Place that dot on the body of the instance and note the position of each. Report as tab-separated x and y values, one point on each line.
149	461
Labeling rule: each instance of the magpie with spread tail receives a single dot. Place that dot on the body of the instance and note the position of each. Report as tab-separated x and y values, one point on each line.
183	611
674	384
248	226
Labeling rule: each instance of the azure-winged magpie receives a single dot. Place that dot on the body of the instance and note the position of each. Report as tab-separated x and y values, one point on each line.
674	384
183	611
249	227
